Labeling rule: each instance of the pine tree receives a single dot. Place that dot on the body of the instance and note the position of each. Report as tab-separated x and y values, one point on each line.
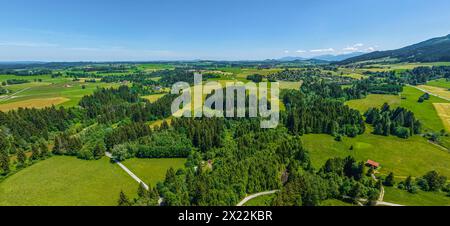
4	161
123	200
389	181
57	148
44	151
21	158
4	154
35	153
99	150
154	197
142	192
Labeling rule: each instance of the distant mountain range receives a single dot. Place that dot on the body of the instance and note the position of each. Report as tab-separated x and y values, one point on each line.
329	57
433	50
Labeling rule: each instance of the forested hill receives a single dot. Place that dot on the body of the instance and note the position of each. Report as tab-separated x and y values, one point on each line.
433	50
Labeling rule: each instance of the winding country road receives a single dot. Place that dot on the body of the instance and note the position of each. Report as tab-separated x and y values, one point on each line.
248	198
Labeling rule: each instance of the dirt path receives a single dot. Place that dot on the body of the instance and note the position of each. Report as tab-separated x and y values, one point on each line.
4	98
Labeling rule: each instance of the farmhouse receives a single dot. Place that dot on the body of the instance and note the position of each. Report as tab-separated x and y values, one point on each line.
372	164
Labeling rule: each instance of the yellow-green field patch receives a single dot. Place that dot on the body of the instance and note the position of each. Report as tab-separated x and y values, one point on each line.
443	110
414	156
374	101
152	171
67	181
422	198
33	103
290	85
441	92
154	97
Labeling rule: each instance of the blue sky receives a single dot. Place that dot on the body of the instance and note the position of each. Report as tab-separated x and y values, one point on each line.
110	30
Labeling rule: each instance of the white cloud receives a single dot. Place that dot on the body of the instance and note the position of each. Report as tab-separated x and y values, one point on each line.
370	49
286	51
322	50
354	48
350	49
300	51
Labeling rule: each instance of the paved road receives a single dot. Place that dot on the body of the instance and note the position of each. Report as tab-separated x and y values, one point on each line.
128	171
426	91
248	198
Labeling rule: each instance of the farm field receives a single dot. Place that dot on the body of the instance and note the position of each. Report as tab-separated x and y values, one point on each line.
443	110
395	195
290	85
403	66
335	202
442	83
33	103
43	94
425	111
441	92
413	156
67	181
152	171
244	72
155	67
154	97
373	101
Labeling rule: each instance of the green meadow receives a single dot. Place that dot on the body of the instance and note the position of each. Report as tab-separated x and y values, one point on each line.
335	202
57	91
425	111
67	181
414	156
153	97
373	101
441	83
402	197
152	171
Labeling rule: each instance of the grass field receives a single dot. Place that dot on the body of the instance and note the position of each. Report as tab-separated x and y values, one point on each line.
244	72
413	156
403	66
425	111
442	83
155	67
290	85
422	198
443	110
335	202
154	97
67	181
373	101
59	91
441	92
152	171
33	103
264	200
